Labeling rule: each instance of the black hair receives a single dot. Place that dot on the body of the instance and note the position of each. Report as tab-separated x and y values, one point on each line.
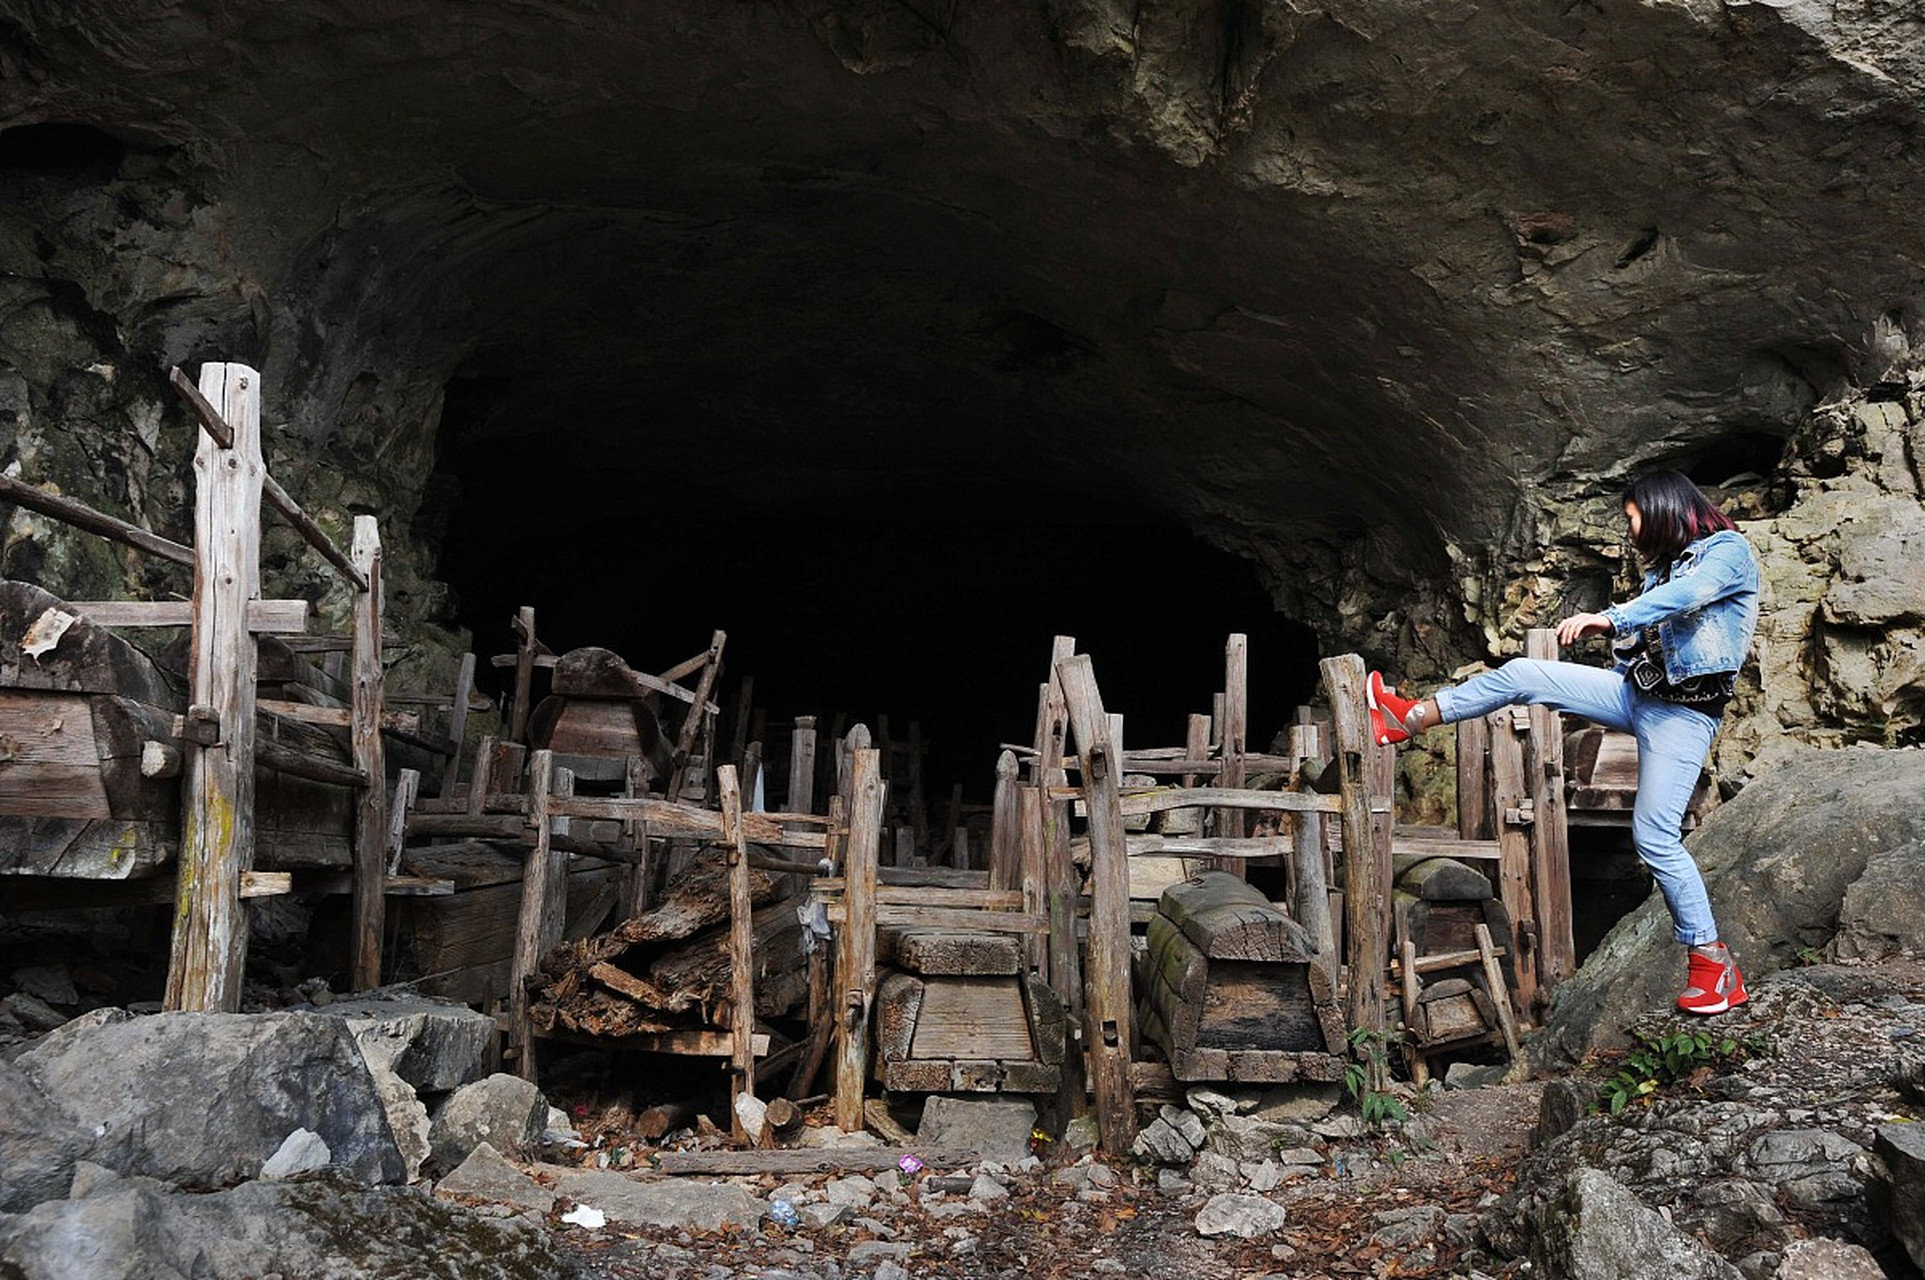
1672	513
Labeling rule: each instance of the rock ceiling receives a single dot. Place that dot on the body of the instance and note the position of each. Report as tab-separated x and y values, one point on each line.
1277	273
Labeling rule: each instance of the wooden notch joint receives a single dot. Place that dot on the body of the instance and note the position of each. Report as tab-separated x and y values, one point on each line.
1524	814
200	726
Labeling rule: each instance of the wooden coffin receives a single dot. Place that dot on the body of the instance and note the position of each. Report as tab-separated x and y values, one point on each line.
1231	988
962	1014
86	729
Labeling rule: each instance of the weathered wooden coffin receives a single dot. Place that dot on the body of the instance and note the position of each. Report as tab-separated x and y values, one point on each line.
1231	989
1601	767
961	1013
78	706
597	715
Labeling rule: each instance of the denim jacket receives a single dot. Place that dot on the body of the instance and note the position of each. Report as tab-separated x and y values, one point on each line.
1706	608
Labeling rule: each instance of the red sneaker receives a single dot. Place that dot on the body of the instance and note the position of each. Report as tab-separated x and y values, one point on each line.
1712	986
1387	712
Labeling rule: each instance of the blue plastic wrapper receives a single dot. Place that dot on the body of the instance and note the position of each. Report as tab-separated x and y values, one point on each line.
782	1213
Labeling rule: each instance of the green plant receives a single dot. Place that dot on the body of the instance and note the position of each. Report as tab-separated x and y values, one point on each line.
1668	1058
1367	1077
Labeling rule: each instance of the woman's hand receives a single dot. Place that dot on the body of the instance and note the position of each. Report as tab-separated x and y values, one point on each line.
1579	625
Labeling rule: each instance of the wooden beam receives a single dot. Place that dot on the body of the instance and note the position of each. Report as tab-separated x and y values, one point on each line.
1144	802
1549	834
801	794
209	951
336	717
1057	879
855	977
1108	988
80	516
1508	793
1366	888
277	617
524	626
543	894
1005	827
457	725
298	764
370	757
1236	728
741	945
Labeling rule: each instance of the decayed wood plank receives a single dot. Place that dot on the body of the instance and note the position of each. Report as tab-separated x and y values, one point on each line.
972	1017
217	830
1366	884
801	793
370	758
1005	827
1108	1010
856	957
457	725
282	616
335	717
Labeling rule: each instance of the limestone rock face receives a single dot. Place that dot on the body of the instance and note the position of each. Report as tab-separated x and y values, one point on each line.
1387	298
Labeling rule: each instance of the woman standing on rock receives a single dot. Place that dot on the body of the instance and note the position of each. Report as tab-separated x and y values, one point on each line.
1677	649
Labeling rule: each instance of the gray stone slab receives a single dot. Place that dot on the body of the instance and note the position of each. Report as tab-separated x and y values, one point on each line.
488	1175
687	1203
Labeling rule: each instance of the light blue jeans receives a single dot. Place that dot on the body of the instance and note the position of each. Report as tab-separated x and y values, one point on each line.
1673	741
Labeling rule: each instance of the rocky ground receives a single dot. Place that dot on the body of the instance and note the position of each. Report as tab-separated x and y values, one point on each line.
1764	1153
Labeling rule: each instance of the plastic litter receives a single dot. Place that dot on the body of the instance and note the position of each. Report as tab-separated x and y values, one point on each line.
909	1165
585	1216
782	1213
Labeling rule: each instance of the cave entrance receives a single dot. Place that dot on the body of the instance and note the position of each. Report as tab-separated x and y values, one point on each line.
925	599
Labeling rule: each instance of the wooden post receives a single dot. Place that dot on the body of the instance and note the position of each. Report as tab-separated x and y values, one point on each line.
1311	906
638	878
1005	827
918	802
1196	746
457	725
525	649
370	757
543	867
1511	807
1550	834
407	787
801	798
1381	775
1474	779
1366	889
217	821
1236	728
856	962
741	945
1108	988
697	716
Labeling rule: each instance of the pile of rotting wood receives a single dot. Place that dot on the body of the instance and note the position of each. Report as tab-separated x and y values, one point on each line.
667	970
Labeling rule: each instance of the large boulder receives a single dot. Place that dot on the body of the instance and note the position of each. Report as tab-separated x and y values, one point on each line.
434	1045
320	1228
1780	861
502	1110
1883	913
204	1099
1902	1149
1598	1230
39	1144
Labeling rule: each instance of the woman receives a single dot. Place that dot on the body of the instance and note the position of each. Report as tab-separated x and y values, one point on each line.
1678	647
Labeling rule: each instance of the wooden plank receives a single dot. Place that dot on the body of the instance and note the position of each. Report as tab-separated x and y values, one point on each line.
81	516
335	717
1005	827
1500	995
801	793
406	786
1550	837
1508	792
280	616
544	867
1409	844
972	1017
741	945
1236	729
1473	779
457	725
1109	1006
50	764
856	956
785	1162
1366	885
209	949
1160	801
524	659
668	819
678	780
370	758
